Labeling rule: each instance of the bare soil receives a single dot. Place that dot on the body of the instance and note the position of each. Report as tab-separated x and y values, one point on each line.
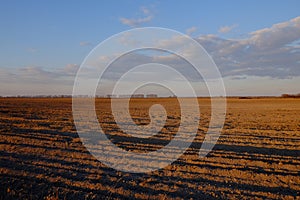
256	157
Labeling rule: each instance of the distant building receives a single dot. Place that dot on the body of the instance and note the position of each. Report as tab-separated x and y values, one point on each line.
111	96
137	96
151	95
124	96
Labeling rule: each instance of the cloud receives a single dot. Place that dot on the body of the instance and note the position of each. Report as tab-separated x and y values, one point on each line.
37	73
134	22
226	29
84	43
278	35
145	10
71	69
272	52
176	41
137	58
127	39
238	78
37	80
191	30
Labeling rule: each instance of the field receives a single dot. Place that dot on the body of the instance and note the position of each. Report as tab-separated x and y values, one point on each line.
256	157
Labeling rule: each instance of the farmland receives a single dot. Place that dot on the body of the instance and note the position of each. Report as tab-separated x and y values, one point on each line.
257	155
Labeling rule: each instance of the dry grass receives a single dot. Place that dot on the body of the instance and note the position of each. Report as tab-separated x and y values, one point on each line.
257	155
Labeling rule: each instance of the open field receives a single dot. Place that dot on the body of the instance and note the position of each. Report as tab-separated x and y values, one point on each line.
256	157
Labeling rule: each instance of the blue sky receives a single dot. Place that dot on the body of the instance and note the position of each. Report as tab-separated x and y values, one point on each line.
40	39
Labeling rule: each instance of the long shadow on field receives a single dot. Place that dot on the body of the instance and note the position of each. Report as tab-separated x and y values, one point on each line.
258	150
86	170
224	147
64	179
25	187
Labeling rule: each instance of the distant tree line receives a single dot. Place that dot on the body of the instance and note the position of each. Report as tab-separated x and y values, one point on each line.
85	96
290	95
134	96
38	96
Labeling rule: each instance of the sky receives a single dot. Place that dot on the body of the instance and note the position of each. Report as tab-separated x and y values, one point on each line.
255	44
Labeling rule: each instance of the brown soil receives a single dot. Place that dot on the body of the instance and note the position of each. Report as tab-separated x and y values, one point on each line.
256	157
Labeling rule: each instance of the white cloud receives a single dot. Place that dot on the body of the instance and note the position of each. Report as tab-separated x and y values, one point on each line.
38	73
134	22
173	42
191	30
34	72
145	10
270	52
267	52
71	69
128	40
226	29
36	80
279	35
